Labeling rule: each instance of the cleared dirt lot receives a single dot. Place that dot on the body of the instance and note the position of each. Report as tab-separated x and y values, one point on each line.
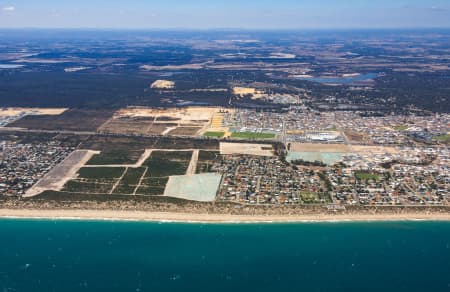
127	125
340	148
246	149
356	137
181	115
373	149
150	121
13	111
311	147
185	131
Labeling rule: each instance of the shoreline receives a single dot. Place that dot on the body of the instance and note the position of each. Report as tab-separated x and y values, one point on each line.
167	217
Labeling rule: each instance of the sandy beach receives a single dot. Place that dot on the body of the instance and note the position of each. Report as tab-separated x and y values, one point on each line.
212	218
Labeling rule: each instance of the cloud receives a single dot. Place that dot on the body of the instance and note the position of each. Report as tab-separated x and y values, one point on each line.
9	9
437	8
427	8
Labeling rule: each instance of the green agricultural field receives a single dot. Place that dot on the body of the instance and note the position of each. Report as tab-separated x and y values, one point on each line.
150	191
251	135
87	187
367	176
98	173
159	182
153	186
115	157
214	134
122	189
130	181
132	176
168	163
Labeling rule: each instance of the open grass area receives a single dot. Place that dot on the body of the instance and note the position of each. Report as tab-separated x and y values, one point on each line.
400	128
100	172
214	134
251	135
367	176
442	139
167	163
314	198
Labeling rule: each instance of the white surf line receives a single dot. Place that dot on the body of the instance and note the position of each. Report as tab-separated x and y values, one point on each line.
140	181
193	164
57	177
118	181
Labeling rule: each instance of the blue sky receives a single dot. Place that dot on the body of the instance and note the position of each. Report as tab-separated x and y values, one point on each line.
253	14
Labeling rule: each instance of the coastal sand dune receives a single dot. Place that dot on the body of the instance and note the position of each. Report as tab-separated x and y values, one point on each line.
211	218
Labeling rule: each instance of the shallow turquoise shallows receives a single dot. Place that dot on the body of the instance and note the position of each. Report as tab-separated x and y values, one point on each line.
38	255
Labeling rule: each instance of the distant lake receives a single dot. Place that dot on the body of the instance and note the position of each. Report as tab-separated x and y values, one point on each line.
71	256
342	80
192	103
11	66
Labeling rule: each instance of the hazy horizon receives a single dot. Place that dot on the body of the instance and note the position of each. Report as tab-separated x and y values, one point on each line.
231	14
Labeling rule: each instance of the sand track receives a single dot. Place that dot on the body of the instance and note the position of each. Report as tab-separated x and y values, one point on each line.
193	164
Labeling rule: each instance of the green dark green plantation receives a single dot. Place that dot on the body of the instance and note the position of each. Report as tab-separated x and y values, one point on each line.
100	172
167	163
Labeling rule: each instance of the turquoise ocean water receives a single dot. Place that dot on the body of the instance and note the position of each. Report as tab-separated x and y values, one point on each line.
39	255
